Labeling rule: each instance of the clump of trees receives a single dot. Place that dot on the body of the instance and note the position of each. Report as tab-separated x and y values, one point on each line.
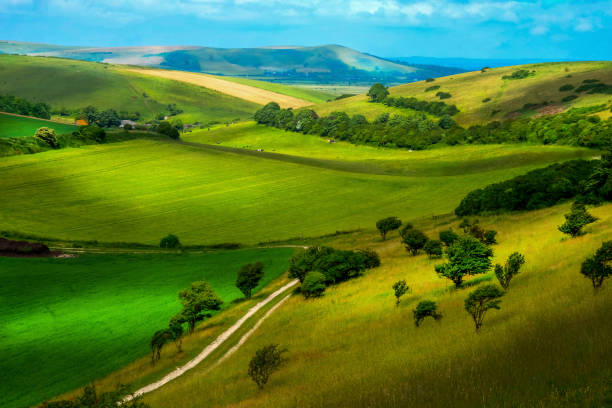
47	136
467	256
400	288
575	220
91	398
480	301
387	225
20	106
519	74
378	93
505	273
313	285
264	363
170	241
598	267
425	308
165	128
249	277
448	237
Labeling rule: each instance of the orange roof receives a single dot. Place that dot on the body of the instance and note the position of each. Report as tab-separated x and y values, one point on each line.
81	122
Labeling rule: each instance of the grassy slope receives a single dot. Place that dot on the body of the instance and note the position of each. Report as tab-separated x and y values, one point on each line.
16	126
76	84
81	318
140	190
547	346
311	95
470	89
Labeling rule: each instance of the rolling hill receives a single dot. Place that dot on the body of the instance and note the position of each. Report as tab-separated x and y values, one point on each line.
319	64
486	96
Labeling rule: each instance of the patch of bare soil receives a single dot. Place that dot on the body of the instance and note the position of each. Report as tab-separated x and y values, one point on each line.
550	110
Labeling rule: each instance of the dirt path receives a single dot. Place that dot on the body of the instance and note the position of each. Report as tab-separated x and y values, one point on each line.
218	341
246	92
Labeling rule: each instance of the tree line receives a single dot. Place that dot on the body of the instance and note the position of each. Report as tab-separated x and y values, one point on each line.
20	106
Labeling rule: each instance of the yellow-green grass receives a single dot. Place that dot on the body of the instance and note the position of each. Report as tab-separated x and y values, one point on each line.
141	190
77	84
308	94
19	126
69	321
468	91
547	346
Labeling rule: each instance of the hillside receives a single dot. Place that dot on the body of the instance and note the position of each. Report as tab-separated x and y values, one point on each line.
485	97
319	64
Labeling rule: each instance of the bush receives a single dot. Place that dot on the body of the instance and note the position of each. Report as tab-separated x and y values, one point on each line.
386	225
575	220
429	80
91	398
467	256
432	88
372	260
165	128
304	261
170	241
400	288
47	136
339	266
489	237
566	87
249	277
443	95
485	100
266	361
425	308
569	98
505	273
414	240
313	285
433	248
520	74
448	237
597	267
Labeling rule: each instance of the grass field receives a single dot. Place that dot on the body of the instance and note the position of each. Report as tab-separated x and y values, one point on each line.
468	91
547	346
69	321
77	84
17	126
309	94
141	190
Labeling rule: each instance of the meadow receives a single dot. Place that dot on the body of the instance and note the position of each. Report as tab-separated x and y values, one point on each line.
70	321
141	190
506	97
547	346
18	126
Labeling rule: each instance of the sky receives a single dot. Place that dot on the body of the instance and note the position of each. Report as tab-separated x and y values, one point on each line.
543	29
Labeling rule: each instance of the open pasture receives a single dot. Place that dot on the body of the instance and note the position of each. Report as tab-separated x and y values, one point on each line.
141	190
19	126
69	321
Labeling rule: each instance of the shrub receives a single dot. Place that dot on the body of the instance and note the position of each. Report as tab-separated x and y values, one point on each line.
520	74
386	225
429	80
303	261
597	267
569	98
432	88
170	241
165	128
448	237
489	237
266	361
443	95
481	300
505	273
433	248
313	285
414	240
566	87
575	220
425	308
485	100
249	277
372	260
93	399
48	136
467	256
339	266
400	288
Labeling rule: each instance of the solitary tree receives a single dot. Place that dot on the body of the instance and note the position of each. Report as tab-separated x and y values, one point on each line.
575	220
467	256
249	277
505	273
414	240
481	300
170	241
448	237
158	341
388	224
378	92
267	360
425	308
400	288
313	285
597	267
433	248
47	135
197	301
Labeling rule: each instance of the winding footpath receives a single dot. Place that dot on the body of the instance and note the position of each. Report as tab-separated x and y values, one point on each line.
218	341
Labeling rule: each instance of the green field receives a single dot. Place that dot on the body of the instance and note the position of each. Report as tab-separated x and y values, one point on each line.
141	190
468	91
548	346
77	84
312	95
16	126
68	321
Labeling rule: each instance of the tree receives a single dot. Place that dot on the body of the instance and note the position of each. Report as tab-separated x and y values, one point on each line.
176	330
481	300
378	92
387	224
93	399
489	237
165	128
448	237
314	285
597	267
268	114
249	277
267	360
197	301
575	220
509	270
433	248
467	256
158	341
372	260
425	308
47	135
400	288
303	261
414	240
170	241
339	266
94	133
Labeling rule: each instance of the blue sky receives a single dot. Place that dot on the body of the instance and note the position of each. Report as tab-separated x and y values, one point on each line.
556	29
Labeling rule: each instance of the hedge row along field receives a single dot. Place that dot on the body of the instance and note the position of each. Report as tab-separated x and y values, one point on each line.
17	126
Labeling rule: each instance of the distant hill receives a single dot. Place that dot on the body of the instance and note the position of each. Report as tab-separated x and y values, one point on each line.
468	64
332	64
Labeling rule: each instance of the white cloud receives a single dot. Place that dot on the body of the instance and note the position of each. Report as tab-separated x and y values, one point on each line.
584	25
539	30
